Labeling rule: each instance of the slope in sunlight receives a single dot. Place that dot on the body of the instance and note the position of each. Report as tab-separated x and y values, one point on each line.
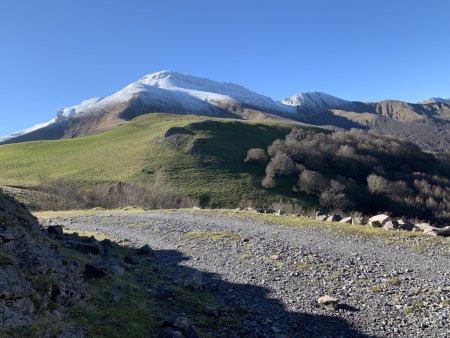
200	156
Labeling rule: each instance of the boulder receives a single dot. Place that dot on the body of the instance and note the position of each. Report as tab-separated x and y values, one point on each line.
87	248
445	231
379	220
16	307
177	324
356	221
328	302
390	225
405	225
433	231
426	228
194	281
55	230
347	220
110	265
333	218
92	271
423	226
168	332
321	218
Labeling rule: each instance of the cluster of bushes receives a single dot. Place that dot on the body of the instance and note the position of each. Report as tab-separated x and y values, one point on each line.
359	171
66	194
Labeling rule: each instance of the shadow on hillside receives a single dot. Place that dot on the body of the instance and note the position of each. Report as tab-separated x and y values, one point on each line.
260	307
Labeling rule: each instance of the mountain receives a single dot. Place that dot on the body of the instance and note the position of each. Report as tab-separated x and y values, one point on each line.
435	100
315	101
425	123
165	91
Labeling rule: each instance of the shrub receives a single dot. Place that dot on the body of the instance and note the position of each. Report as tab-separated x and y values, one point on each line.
65	194
257	155
268	182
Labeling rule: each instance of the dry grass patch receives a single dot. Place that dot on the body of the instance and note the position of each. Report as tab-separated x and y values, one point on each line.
215	236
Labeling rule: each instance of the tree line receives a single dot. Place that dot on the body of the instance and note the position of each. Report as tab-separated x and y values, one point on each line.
359	171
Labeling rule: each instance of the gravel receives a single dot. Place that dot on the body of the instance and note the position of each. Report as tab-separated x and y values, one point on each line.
276	273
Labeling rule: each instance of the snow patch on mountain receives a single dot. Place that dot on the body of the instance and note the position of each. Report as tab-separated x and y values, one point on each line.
85	106
435	100
28	130
205	89
315	101
171	89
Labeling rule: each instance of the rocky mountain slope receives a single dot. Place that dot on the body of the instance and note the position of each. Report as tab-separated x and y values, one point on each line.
172	92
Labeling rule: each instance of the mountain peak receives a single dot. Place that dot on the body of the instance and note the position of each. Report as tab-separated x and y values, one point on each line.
164	74
172	80
314	100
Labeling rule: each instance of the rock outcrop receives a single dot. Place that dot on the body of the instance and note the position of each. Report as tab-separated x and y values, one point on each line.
35	281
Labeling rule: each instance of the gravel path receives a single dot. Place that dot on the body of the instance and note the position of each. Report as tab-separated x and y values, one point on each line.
276	273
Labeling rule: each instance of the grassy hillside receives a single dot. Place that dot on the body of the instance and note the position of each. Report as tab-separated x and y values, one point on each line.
201	156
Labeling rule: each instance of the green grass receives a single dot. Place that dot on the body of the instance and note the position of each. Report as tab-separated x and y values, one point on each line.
208	163
216	236
246	256
376	288
394	281
408	310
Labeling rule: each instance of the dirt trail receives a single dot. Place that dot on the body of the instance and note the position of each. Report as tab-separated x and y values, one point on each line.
395	288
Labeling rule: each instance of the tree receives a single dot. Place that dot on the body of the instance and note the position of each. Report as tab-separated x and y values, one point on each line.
311	182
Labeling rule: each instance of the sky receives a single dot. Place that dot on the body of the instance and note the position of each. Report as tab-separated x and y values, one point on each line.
56	53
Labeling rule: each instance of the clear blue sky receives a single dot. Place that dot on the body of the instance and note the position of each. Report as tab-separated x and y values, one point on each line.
55	53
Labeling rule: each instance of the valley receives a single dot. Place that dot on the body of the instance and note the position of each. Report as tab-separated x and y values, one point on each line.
224	169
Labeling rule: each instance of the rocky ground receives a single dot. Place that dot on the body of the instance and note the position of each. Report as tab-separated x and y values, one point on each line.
273	274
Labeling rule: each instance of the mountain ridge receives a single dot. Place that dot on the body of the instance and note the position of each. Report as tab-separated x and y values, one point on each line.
178	93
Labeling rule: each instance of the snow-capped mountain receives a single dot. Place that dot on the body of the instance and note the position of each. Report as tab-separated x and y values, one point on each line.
316	101
435	100
192	94
166	91
176	93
